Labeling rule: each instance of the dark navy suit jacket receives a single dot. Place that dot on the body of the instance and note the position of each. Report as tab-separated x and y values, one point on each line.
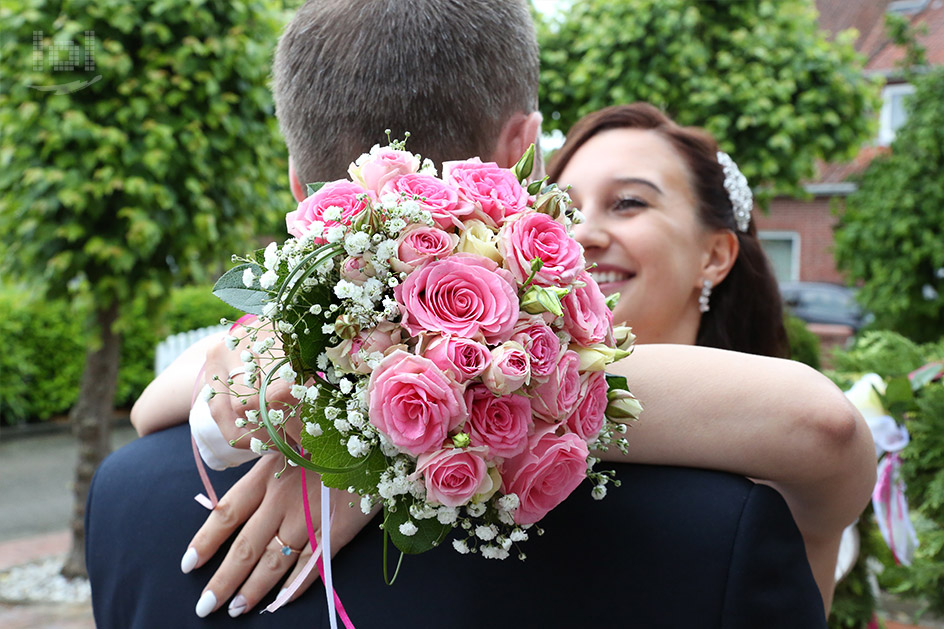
673	547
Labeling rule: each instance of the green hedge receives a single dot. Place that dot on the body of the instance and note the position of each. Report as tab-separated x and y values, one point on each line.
893	356
42	364
804	345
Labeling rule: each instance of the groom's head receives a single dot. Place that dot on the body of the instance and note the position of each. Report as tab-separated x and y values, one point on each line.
460	75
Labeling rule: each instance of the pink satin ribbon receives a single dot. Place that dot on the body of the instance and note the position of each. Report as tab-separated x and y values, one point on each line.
335	607
891	510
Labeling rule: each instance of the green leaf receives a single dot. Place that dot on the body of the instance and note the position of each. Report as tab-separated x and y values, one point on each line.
231	289
363	478
312	188
899	397
430	533
329	449
615	382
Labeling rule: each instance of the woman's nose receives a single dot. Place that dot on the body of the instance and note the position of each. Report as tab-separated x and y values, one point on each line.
591	233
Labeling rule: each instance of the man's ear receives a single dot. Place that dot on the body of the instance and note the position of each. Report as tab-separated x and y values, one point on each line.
720	255
517	134
298	190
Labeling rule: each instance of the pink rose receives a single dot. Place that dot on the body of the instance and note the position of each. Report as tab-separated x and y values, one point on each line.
534	235
418	244
434	195
587	419
414	403
382	166
355	269
494	191
586	316
541	343
464	295
463	358
452	476
555	399
501	423
544	474
341	194
350	355
509	369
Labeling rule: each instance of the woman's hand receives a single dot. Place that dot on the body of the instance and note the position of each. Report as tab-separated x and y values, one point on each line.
269	507
226	407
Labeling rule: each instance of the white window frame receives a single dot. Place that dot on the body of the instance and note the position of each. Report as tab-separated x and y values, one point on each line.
885	132
794	238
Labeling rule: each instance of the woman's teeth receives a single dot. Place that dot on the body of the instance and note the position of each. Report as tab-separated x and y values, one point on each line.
609	277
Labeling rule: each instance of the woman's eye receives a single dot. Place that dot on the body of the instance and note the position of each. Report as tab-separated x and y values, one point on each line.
629	203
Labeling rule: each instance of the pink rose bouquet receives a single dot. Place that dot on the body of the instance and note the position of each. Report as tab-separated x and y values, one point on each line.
435	333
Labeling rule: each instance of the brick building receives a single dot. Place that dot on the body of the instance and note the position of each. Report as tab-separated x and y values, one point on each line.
797	234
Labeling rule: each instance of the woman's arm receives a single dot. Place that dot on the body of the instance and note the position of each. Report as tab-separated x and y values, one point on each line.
166	401
776	421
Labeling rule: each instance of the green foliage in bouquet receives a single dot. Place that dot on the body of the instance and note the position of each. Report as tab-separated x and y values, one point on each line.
358	315
918	403
758	74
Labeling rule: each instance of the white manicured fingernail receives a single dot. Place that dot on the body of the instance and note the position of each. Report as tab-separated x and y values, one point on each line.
189	560
282	591
237	606
206	604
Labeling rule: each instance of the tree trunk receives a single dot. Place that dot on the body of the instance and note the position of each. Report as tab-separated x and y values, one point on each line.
91	419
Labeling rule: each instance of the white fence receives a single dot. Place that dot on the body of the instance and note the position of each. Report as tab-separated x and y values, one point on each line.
175	344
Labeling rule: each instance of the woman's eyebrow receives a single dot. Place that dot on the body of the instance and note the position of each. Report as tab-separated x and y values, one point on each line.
645	182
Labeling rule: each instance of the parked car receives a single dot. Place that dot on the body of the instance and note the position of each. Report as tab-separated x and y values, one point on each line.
819	302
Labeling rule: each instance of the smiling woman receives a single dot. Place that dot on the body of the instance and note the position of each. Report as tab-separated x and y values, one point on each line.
662	230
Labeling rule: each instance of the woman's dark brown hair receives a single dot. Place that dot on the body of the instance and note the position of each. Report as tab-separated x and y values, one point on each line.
746	314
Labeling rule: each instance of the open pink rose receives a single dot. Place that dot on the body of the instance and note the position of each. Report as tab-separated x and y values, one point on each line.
494	191
464	295
586	316
501	423
555	399
434	195
342	194
533	235
453	476
414	403
382	166
463	358
544	474
587	418
509	369
541	343
419	243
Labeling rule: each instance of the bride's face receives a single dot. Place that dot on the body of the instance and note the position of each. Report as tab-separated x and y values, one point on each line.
641	230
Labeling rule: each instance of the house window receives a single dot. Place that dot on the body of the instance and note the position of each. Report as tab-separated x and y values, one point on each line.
894	113
783	251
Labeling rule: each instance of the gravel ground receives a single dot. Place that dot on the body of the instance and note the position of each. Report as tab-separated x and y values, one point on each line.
40	582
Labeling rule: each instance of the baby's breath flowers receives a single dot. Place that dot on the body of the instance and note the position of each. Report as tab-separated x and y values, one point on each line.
442	346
